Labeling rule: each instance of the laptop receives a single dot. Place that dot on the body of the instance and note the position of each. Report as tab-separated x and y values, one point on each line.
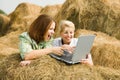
83	47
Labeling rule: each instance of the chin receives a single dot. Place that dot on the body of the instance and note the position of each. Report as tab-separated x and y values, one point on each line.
48	39
69	40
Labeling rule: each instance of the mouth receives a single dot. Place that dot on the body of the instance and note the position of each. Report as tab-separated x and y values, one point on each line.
68	38
49	36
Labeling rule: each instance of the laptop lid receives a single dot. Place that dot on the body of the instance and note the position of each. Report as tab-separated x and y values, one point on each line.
83	47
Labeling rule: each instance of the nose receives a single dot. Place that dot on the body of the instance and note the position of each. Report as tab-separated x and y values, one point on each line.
69	34
53	32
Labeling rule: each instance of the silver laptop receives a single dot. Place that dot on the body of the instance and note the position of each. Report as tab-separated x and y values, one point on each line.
83	47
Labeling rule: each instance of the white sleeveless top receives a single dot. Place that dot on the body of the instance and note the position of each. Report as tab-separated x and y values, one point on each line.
58	42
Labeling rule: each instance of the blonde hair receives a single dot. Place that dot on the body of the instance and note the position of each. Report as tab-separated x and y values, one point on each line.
66	23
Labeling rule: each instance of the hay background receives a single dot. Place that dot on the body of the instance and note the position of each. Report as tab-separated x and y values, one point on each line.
100	17
47	68
96	15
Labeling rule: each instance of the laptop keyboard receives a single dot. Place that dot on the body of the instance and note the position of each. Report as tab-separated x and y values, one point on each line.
65	57
67	54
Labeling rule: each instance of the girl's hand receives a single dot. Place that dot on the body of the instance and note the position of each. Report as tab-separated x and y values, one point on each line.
88	60
57	50
25	63
68	48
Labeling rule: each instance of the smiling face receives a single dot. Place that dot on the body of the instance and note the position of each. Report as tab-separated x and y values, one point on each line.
49	32
67	34
67	31
42	28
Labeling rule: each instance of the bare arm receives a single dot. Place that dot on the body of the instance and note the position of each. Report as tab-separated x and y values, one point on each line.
37	53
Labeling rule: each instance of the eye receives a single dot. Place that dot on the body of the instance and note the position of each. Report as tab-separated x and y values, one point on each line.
51	29
71	32
65	32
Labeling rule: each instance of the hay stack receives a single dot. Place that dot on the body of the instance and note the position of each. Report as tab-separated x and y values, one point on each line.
51	10
6	51
10	39
105	56
106	49
23	16
47	68
4	24
9	44
97	15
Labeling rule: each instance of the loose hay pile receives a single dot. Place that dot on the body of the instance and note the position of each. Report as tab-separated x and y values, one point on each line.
4	24
51	10
23	16
106	49
47	68
97	15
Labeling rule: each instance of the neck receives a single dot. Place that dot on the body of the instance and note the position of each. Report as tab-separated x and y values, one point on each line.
63	42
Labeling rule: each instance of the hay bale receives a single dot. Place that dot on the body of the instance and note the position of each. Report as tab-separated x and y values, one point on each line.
11	61
23	16
11	39
105	52
51	10
96	15
47	68
106	49
6	50
4	24
9	44
107	73
107	55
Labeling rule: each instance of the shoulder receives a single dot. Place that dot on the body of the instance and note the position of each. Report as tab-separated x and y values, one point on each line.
57	42
57	39
74	42
74	39
24	36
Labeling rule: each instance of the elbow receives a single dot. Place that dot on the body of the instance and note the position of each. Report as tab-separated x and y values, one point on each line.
29	57
26	58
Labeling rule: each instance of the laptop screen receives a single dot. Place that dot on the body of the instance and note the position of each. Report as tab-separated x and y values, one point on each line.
83	47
